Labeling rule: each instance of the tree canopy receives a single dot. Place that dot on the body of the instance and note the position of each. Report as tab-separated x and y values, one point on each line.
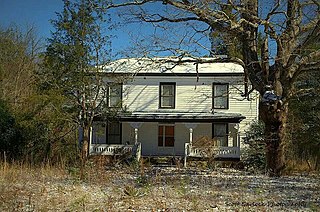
272	61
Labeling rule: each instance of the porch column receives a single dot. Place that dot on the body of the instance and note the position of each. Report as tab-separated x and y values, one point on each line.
190	136
238	138
136	126
238	135
191	127
135	135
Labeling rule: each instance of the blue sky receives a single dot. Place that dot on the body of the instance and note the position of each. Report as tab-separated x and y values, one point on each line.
26	13
37	13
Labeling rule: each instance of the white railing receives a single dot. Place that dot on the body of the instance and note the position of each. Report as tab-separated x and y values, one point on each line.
110	149
217	152
116	149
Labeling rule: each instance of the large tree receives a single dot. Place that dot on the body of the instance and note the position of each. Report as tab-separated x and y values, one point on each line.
288	29
73	61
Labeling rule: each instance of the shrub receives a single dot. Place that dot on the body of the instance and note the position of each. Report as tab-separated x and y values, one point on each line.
254	151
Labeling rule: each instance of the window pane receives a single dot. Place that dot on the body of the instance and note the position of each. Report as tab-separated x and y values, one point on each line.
114	139
221	90
169	141
160	131
167	102
169	131
222	141
114	101
167	90
220	130
114	128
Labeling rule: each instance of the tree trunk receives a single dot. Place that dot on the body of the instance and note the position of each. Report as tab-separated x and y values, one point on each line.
85	142
84	149
275	117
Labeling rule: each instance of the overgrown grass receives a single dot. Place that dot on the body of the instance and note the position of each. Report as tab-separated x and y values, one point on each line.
142	187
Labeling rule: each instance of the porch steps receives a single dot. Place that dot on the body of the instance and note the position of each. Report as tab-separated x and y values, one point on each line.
163	161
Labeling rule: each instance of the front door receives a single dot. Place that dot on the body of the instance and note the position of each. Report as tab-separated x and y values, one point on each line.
166	139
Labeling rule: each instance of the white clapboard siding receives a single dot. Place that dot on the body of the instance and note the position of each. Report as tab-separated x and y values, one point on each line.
192	95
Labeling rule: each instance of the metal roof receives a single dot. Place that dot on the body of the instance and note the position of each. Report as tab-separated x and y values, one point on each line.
171	65
168	116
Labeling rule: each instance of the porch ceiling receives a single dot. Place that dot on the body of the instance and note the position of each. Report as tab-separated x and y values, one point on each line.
197	117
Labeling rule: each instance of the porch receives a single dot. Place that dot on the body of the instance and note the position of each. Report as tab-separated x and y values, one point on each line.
169	135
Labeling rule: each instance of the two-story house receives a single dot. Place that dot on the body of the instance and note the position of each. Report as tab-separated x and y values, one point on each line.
168	104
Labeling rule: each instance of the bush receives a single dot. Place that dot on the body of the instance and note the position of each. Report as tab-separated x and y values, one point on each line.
10	134
254	151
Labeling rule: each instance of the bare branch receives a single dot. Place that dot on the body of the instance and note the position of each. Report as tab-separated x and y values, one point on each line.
133	3
307	63
311	38
163	19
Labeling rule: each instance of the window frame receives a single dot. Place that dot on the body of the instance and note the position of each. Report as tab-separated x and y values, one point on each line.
99	136
173	84
216	97
164	137
109	96
226	136
108	132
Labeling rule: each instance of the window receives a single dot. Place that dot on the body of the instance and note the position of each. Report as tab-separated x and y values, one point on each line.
114	133
220	96
166	136
220	133
99	133
115	95
167	95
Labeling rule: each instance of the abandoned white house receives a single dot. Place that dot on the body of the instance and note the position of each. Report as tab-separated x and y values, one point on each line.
166	107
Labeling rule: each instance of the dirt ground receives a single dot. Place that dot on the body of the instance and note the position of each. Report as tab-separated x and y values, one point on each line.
154	188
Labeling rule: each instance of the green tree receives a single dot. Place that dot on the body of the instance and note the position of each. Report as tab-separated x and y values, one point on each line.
304	121
254	152
33	126
73	62
18	65
11	142
288	28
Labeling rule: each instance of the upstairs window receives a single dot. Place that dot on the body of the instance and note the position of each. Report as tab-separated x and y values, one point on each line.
167	95
220	96
115	95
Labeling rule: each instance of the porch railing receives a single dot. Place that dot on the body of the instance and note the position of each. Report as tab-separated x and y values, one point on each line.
110	149
217	152
116	149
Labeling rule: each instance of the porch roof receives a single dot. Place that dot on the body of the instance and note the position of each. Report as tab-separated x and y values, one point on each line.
198	117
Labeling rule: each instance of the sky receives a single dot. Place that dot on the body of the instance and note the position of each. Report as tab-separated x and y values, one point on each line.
37	13
26	13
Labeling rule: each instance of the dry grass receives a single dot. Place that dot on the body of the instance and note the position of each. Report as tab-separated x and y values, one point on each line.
139	187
